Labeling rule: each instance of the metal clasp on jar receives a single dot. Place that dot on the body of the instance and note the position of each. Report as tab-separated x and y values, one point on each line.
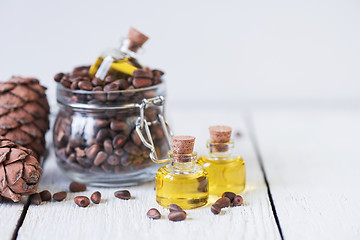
143	124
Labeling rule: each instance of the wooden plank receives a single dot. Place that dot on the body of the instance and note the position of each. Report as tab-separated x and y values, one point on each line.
9	216
115	218
311	159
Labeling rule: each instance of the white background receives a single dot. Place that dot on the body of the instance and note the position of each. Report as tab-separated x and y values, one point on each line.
240	52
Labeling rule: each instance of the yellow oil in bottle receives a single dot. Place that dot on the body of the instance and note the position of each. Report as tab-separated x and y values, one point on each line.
188	189
93	69
122	66
225	174
121	61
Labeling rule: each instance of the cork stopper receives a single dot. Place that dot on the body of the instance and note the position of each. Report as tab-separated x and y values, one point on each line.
220	134
182	144
137	39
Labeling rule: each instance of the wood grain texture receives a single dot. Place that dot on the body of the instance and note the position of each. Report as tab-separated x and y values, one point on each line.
120	219
312	163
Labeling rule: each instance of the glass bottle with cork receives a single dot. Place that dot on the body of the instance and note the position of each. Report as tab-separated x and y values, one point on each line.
226	171
120	62
182	181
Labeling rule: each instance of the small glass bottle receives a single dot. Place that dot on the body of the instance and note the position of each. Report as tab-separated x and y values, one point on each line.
182	181
120	61
226	172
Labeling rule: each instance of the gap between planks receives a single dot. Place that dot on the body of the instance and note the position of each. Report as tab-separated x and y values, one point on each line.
253	139
312	161
21	219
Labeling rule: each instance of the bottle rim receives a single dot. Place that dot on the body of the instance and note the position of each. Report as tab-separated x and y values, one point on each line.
209	142
182	158
220	148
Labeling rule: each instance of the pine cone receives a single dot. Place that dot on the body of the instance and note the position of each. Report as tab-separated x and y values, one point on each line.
24	113
20	171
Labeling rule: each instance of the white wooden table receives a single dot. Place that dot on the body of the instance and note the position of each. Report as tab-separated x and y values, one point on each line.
303	172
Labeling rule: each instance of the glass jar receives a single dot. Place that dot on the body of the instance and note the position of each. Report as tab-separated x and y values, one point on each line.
110	138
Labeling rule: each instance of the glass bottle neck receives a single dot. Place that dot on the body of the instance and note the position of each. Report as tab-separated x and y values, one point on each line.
182	162
220	149
125	48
